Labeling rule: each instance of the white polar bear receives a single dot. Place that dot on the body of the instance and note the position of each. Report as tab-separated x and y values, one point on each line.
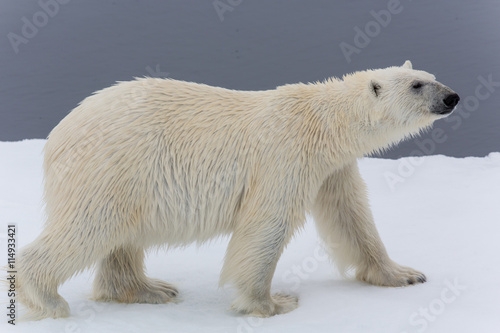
156	161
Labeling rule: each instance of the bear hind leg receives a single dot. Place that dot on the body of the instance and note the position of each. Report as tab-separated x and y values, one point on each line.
120	278
37	284
45	264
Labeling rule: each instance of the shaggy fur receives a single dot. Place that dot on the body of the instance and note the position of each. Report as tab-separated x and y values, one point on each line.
156	161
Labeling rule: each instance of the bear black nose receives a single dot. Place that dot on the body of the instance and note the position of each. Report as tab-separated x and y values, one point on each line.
451	100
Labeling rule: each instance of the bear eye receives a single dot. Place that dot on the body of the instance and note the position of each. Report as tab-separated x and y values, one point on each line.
417	85
375	88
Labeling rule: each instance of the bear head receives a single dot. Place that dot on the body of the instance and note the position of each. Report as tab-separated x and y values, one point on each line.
403	94
399	99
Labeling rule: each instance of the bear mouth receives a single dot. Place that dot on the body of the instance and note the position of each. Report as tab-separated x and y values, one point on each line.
443	111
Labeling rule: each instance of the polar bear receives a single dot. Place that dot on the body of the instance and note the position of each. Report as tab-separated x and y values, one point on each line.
159	161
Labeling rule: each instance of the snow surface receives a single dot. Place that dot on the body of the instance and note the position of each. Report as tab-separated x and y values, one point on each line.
442	218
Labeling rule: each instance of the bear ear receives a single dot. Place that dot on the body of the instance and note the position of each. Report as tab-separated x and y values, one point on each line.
375	87
407	64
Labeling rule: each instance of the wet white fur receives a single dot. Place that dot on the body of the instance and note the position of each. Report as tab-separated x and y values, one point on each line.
158	161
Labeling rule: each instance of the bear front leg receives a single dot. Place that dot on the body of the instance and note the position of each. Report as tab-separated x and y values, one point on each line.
250	262
345	223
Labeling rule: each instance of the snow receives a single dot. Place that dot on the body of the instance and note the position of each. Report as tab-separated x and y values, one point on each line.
437	214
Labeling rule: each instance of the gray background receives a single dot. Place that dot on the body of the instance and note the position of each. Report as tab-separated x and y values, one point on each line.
83	46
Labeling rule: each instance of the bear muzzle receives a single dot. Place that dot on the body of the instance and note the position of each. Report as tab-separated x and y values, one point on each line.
449	103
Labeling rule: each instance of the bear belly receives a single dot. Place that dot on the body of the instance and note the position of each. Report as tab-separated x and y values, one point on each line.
188	209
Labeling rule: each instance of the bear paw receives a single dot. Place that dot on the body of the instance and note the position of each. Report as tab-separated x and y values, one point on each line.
156	292
51	307
390	275
151	291
277	304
